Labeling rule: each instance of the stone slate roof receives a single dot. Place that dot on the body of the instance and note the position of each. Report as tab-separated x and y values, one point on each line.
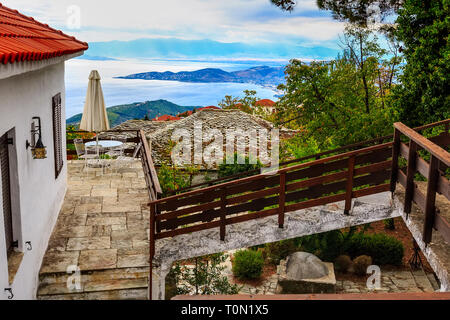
211	119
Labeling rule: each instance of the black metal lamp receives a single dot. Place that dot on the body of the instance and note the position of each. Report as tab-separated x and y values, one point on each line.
38	150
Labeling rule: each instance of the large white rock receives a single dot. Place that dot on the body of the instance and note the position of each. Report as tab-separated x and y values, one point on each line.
304	265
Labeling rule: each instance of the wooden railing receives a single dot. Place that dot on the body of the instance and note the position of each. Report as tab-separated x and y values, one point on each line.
135	137
151	177
433	171
311	157
336	178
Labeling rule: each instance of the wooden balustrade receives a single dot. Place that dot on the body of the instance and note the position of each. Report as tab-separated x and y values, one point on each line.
432	171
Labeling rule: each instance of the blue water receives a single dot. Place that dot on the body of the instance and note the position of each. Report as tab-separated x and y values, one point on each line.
125	91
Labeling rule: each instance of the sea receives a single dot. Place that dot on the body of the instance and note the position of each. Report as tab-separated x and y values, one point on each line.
126	91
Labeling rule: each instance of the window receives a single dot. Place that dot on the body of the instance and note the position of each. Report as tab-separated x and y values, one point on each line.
57	134
6	192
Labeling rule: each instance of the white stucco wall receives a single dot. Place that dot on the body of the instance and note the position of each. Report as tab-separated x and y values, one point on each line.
40	195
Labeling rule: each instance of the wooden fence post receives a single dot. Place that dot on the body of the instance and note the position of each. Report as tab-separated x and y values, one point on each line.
410	172
223	213
282	199
395	155
349	187
152	248
430	209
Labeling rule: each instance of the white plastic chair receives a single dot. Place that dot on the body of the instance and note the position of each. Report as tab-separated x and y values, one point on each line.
123	161
88	155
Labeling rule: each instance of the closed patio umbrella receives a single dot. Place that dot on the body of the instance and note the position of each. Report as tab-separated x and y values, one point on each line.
95	118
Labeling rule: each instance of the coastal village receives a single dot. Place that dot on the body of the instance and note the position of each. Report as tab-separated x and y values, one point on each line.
93	212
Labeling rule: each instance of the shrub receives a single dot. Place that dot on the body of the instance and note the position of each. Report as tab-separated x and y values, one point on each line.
343	263
278	251
327	246
389	224
361	263
382	248
248	264
231	169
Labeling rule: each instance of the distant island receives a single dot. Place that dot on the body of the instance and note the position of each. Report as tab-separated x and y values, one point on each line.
264	76
138	110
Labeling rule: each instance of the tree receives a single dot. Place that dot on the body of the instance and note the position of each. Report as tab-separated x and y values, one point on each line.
204	277
423	95
422	29
246	104
341	101
363	50
357	12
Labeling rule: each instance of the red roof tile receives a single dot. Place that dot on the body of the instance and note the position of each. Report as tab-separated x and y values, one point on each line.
166	117
23	38
265	103
209	107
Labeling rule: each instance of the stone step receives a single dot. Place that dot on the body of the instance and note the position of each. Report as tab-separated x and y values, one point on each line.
128	294
125	283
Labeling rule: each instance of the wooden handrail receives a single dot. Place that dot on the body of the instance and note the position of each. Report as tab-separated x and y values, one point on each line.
151	165
431	147
284	170
436	182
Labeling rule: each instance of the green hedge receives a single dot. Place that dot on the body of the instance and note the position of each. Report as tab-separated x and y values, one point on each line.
248	264
382	248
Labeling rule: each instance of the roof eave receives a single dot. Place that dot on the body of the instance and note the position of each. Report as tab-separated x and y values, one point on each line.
13	69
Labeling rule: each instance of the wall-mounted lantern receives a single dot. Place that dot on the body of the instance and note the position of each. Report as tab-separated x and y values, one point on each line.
38	149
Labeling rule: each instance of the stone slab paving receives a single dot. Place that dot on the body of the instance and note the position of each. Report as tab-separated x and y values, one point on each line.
101	229
391	281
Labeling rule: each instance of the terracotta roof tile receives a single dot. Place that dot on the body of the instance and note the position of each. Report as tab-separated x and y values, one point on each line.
166	117
265	103
23	38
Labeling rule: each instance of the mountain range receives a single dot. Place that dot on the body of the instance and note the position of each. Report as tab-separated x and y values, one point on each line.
137	110
264	75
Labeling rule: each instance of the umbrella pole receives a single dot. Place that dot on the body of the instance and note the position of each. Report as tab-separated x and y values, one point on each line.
98	151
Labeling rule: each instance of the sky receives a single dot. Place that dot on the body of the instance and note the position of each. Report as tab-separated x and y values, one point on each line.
247	21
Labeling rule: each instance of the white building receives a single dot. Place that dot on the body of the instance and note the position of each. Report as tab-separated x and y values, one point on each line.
32	90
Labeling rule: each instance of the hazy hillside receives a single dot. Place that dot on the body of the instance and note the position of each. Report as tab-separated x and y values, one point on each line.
259	75
138	110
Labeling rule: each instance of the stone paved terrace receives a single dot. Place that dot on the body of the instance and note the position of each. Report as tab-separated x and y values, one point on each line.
102	229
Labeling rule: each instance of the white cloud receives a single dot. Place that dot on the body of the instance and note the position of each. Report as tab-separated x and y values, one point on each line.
231	20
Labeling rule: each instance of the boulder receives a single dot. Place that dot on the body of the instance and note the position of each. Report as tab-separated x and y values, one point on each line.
304	265
303	272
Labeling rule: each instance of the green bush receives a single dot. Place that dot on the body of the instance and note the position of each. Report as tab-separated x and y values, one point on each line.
382	248
277	251
361	263
343	263
248	264
327	246
226	170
